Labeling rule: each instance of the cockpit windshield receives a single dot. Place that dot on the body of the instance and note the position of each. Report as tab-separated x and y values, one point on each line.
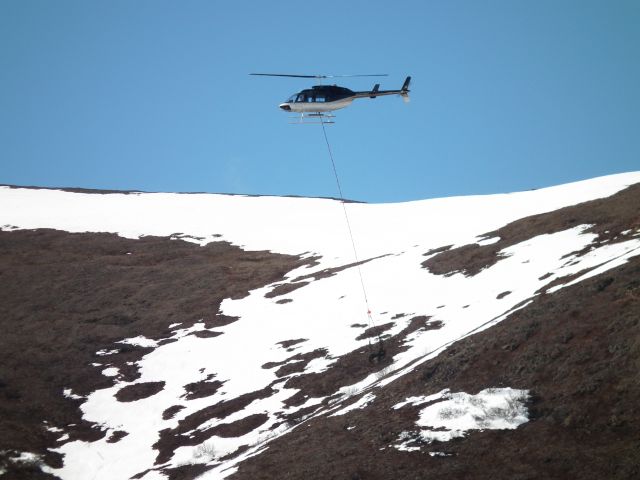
307	96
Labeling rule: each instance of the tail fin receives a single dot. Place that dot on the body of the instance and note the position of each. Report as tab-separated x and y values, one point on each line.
405	85
376	87
404	91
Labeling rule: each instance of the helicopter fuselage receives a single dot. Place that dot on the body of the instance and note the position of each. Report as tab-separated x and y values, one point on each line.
320	98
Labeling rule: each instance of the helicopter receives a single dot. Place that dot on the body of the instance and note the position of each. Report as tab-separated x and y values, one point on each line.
319	101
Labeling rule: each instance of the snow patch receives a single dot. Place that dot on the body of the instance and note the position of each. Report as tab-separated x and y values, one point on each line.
457	413
26	458
420	400
105	352
69	394
488	241
140	341
359	404
319	365
439	454
599	261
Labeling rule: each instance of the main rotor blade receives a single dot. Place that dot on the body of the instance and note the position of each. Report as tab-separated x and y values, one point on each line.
361	75
318	76
287	75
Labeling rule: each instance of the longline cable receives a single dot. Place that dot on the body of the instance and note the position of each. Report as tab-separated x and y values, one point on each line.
346	216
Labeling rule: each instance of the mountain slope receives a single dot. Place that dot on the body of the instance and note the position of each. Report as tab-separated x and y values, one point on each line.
577	350
283	341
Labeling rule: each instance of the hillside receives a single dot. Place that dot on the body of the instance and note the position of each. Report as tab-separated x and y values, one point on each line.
196	335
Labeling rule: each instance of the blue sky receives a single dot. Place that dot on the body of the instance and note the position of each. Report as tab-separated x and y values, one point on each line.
155	95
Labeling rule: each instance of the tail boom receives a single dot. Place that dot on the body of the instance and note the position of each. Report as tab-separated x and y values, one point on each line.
375	92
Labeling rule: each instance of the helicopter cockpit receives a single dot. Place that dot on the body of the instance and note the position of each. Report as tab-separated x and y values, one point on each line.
307	96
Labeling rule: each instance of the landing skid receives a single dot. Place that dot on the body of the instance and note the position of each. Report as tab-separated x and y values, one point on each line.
313	118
